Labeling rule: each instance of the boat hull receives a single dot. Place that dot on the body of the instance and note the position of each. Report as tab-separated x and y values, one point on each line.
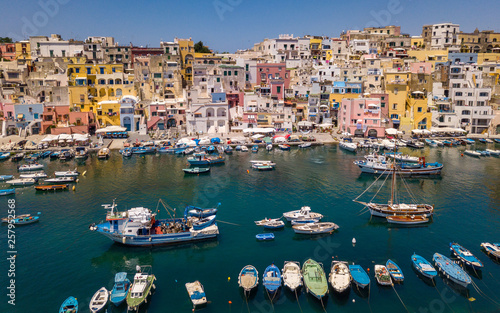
384	210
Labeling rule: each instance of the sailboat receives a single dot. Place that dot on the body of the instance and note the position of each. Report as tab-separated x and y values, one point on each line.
392	208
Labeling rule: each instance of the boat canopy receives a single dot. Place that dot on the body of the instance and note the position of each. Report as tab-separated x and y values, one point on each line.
391	131
120	277
259	130
111	129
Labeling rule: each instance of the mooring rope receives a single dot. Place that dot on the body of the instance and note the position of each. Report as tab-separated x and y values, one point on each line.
297	297
434	283
400	298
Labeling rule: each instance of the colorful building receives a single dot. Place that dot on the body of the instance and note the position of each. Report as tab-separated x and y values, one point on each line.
361	117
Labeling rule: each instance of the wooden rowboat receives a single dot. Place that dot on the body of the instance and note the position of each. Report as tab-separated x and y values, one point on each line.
51	187
407	219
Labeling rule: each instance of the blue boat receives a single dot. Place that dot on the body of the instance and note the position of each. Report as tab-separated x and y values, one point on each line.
127	152
248	278
359	276
5	192
220	159
46	154
447	143
55	155
6	177
395	272
465	256
228	150
200	212
198	159
210	149
5	156
143	150
271	279
451	270
265	236
204	222
469	141
255	149
69	305
237	148
120	289
483	152
482	140
423	266
497	140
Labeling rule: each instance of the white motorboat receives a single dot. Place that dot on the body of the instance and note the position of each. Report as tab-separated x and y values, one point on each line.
244	149
315	228
472	153
30	167
304	212
34	175
103	153
305	145
269	147
349	146
21	182
292	276
439	143
382	275
60	180
493	152
388	144
73	173
99	300
340	277
403	157
196	293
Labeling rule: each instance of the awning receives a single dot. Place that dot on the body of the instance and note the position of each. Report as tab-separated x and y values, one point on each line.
396	121
20	116
391	131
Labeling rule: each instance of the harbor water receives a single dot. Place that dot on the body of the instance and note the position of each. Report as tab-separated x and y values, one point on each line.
60	257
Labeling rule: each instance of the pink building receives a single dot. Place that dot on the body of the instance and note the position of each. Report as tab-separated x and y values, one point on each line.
8	51
361	117
274	76
164	115
421	68
235	99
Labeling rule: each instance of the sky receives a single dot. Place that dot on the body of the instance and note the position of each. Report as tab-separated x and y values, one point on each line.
229	25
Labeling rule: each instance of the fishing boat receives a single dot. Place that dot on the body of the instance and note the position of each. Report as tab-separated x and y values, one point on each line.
304	220
196	170
465	256
403	157
244	148
491	250
305	145
61	180
315	279
472	153
395	272
211	149
415	144
315	228
488	140
248	278
196	293
120	289
271	279
382	275
200	223
451	270
73	173
216	160
54	155
263	165
45	154
139	227
469	141
199	159
423	266
264	237
17	157
99	300
200	212
5	192
269	147
51	187
407	219
276	224
141	288
6	177
497	140
255	149
266	220
70	305
377	164
292	275
304	212
228	149
30	167
127	152
24	219
35	175
284	147
4	156
66	154
103	153
144	150
431	142
21	182
483	152
359	276
349	146
81	153
439	143
340	277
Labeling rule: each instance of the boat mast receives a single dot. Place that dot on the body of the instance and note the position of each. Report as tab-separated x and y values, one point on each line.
393	183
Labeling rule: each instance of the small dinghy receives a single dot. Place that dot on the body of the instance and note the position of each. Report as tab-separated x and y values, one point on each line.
465	256
264	237
305	145
271	223
304	212
284	147
5	192
451	270
382	275
4	156
266	220
292	276
23	219
248	278
17	157
315	279
51	187
271	279
359	276
69	305
423	266
395	272
305	220
315	228
472	153
22	182
491	250
103	154
73	173
493	152
60	180
203	222
340	277
200	212
36	175
269	147
407	219
120	289
244	149
141	288
99	300
6	177
196	170
255	149
196	293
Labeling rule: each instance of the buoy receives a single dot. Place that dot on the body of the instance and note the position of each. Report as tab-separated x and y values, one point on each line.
74	188
353	241
84	173
368	269
353	300
248	171
462	154
230	302
228	279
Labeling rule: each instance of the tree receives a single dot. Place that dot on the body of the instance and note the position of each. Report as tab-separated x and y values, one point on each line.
5	40
200	48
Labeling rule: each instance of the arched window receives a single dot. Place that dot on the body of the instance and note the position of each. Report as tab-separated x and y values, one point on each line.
118	92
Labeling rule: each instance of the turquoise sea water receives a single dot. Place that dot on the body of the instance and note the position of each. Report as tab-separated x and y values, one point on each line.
60	257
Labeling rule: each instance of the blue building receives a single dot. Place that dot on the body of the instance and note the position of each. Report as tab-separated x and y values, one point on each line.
29	116
465	58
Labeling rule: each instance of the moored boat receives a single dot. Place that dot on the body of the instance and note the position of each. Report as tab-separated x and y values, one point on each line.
305	145
451	270
423	266
349	146
17	157
196	170
304	212
292	275
199	159
264	236
304	220
6	177
204	222
24	219
382	275
21	182
243	148
359	276
103	153
271	279
120	289
395	272
491	250
30	167
60	180
141	288
4	155
81	153
51	187
255	149
407	219
493	152
35	175
269	147
200	212
5	192
70	173
99	300
70	305
271	223
284	147
315	228
472	153
315	279
465	256
248	278
196	293
340	277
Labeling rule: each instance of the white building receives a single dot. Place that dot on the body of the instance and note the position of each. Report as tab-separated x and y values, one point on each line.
360	46
56	47
444	35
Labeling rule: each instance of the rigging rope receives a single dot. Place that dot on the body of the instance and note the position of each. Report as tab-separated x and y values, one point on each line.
370	186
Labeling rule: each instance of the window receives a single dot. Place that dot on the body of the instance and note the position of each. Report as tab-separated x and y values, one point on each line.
225	73
235	73
113	70
82	98
483	94
394	116
218	79
382	104
419	109
278	89
51	53
63	53
89	70
458	94
101	70
77	70
394	106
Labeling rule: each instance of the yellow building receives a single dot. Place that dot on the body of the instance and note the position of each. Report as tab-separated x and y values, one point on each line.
420	116
315	46
186	47
417	41
98	88
23	52
431	56
207	58
488	57
396	87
